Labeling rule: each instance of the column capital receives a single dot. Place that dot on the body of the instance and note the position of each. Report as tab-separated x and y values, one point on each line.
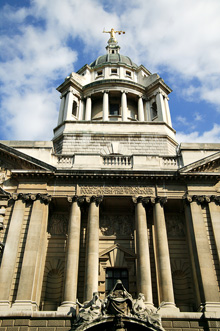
140	199
45	198
76	198
20	196
215	198
199	199
160	200
96	199
105	91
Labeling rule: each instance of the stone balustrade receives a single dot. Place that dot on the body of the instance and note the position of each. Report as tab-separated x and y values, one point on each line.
117	161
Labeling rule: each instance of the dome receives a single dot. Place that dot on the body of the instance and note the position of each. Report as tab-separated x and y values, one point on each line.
113	59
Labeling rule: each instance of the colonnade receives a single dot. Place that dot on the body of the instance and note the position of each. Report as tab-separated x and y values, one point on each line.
203	269
30	282
85	107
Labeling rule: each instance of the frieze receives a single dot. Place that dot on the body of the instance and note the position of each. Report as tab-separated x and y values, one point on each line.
58	224
116	225
116	190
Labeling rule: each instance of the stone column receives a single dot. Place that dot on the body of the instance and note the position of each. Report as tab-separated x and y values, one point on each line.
192	249
124	106
144	283
161	107
105	106
164	275
92	249
72	258
62	103
147	111
81	110
167	111
34	256
140	109
205	271
68	106
11	249
214	209
88	115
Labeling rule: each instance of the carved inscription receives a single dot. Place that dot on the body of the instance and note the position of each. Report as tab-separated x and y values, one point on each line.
175	226
116	225
58	224
115	190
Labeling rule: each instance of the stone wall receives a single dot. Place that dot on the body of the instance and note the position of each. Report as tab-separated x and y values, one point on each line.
23	323
127	145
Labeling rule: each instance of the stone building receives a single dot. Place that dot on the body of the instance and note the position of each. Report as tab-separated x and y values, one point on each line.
112	196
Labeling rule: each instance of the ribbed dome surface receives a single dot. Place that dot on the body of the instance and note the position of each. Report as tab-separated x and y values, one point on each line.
114	59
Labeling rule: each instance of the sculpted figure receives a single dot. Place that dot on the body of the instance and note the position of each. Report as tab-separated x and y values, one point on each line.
139	303
90	310
119	301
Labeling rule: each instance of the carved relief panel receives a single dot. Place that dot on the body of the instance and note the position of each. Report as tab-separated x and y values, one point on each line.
175	225
58	224
116	225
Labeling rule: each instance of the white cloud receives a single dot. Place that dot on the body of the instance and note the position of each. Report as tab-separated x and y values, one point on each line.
198	117
181	37
211	136
182	120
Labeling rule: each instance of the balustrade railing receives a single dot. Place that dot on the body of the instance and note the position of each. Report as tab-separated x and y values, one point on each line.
117	161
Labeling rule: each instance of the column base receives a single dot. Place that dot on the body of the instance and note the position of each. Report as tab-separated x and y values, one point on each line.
25	305
210	306
4	305
168	305
67	307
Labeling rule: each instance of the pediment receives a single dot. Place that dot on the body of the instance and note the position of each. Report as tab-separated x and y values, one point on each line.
209	165
11	159
116	250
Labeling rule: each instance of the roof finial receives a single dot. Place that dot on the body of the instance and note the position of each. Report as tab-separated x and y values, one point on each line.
112	35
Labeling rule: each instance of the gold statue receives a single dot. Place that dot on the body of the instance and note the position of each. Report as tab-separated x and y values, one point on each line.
112	33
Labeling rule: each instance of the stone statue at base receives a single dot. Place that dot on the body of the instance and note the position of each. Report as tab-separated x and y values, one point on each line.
118	308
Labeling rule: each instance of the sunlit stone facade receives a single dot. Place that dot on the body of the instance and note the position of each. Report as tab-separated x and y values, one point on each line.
112	196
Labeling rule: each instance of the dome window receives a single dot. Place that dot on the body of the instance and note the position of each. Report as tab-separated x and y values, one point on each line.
99	73
114	71
128	73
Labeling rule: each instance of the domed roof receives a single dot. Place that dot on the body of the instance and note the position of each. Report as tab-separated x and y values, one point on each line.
113	59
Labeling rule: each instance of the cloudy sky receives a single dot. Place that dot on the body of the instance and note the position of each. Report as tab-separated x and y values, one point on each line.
42	41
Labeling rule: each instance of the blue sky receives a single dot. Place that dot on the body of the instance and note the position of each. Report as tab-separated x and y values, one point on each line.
42	41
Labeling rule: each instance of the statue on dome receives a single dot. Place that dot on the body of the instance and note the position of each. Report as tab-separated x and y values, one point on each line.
112	33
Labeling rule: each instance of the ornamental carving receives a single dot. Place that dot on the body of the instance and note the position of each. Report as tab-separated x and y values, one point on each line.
175	226
118	311
116	225
58	224
116	190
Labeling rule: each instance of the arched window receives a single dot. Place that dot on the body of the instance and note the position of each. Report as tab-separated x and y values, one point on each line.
154	110
74	108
